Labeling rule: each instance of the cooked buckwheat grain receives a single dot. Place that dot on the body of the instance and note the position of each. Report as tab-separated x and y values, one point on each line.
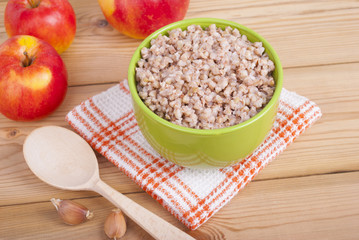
205	78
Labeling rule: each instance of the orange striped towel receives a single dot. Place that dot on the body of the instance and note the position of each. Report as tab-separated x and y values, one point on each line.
107	122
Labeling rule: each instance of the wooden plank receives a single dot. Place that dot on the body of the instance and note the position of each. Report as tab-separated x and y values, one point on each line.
335	89
304	33
315	207
317	151
319	83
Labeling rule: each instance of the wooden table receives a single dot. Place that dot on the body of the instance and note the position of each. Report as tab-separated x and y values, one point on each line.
311	191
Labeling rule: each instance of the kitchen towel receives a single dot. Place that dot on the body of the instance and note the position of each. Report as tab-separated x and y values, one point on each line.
107	122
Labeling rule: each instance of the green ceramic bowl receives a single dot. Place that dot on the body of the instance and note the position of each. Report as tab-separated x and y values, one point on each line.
197	148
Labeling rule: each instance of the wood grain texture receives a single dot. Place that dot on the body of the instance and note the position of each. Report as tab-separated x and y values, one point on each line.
315	207
311	191
304	33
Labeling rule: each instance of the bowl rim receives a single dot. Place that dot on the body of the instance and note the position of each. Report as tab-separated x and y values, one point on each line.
200	21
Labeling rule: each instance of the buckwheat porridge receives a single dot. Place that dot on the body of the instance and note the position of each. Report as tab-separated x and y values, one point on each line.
205	78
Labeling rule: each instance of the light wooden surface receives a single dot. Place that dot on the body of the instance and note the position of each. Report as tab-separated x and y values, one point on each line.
311	191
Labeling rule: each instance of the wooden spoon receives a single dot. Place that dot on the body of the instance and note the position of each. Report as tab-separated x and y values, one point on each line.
63	159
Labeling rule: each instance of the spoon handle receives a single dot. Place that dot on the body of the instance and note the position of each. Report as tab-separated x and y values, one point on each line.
151	223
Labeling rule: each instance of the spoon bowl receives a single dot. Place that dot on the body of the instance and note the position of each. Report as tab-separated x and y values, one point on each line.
63	159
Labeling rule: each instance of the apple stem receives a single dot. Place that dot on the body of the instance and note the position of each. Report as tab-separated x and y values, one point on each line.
27	61
34	3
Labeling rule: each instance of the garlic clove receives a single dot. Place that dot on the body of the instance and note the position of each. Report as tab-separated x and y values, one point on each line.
71	213
115	224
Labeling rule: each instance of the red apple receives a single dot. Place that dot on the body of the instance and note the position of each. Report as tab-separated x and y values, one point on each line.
33	78
139	18
51	20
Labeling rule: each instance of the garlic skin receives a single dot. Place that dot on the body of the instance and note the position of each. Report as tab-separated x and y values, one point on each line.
115	224
71	213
